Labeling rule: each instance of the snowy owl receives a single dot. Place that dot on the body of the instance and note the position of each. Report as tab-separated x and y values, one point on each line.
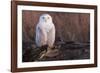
45	31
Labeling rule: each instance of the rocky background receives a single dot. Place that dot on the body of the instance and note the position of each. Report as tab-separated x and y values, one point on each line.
72	36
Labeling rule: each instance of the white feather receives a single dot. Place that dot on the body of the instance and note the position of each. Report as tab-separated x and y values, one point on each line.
45	31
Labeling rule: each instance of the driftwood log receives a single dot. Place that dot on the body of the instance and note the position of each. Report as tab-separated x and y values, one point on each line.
67	51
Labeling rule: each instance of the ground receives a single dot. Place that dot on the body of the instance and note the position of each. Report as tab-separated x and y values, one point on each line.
66	51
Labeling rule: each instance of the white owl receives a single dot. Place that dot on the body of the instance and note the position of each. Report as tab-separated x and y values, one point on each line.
45	31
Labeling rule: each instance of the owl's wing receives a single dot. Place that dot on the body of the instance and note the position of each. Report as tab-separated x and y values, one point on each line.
51	36
41	36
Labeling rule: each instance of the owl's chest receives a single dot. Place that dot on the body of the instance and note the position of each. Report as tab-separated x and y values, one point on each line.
47	27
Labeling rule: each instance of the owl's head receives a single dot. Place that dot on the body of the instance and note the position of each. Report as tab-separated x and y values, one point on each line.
45	18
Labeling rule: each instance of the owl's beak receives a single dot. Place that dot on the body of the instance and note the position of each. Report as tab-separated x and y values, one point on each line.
45	20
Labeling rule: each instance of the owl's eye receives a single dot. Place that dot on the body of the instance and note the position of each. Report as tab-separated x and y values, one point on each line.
43	17
47	17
